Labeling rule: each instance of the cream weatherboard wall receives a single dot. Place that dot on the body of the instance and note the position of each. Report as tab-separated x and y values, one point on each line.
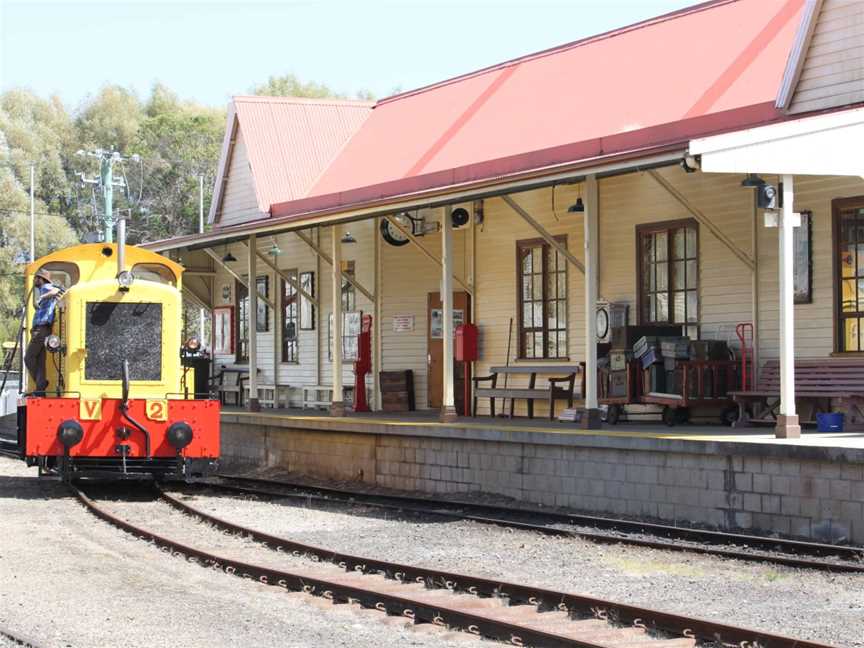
239	202
814	323
726	284
833	70
408	276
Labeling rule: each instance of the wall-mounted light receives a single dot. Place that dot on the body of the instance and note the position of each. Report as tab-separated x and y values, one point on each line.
274	250
348	238
579	206
752	181
690	164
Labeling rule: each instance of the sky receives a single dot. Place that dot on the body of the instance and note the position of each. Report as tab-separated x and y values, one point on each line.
208	51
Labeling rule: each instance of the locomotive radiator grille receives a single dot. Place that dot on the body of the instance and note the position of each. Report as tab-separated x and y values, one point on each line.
117	331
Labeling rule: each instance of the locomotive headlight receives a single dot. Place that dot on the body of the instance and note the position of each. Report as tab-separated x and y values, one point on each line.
125	280
192	344
179	435
70	433
52	343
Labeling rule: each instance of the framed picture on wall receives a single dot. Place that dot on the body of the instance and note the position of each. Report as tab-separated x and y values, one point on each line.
307	308
223	330
802	267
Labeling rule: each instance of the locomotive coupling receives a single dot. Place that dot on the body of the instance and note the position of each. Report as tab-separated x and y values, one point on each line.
70	433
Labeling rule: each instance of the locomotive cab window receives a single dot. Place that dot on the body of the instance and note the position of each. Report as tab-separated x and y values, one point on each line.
62	274
154	272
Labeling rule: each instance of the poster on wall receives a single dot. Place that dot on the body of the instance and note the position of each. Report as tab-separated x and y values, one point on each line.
802	267
403	323
223	330
225	293
436	323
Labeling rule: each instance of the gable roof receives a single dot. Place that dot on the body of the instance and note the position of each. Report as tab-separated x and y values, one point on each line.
715	66
289	142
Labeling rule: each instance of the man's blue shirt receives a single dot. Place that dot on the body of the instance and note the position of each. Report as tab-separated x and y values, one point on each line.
45	310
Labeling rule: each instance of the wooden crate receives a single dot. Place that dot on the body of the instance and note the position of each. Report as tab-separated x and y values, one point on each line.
397	390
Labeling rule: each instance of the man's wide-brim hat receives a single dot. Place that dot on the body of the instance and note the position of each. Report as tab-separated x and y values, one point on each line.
42	274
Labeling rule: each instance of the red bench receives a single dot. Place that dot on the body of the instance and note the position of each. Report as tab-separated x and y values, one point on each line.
817	382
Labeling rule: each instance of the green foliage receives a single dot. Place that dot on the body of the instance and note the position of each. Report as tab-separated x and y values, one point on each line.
52	233
288	85
178	141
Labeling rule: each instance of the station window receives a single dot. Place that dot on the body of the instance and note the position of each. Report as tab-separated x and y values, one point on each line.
241	328
290	318
668	269
542	303
849	273
349	293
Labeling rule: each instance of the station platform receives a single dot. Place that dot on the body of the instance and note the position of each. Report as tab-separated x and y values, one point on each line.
704	475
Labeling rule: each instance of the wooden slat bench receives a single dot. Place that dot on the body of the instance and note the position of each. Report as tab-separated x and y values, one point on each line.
559	388
817	382
230	380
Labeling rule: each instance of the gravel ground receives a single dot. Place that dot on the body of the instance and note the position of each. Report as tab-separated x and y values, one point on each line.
70	580
810	605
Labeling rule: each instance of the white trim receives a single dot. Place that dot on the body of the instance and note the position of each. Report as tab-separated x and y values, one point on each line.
222	168
407	203
818	145
798	55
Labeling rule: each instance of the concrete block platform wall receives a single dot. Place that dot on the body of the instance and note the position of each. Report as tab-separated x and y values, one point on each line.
795	491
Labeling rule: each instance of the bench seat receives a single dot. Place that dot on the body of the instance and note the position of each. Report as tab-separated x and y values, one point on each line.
817	383
559	388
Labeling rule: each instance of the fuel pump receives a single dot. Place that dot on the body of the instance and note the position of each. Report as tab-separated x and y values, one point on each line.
363	364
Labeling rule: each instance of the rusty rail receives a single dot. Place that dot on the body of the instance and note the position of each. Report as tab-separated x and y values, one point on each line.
498	516
544	599
18	639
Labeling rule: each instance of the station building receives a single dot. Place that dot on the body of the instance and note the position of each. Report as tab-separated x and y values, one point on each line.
620	169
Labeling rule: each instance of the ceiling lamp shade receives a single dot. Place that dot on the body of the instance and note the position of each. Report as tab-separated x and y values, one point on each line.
578	207
752	181
348	238
228	258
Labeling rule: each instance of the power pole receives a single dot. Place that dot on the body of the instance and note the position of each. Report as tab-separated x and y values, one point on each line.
106	181
32	212
201	312
107	175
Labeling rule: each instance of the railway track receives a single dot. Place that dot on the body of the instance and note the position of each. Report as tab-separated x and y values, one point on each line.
790	553
513	613
17	639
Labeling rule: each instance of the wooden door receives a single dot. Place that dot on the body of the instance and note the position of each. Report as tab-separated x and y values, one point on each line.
435	349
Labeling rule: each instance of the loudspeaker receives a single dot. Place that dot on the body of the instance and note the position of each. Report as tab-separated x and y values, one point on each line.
459	217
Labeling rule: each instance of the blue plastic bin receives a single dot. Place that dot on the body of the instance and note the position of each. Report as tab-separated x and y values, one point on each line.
829	422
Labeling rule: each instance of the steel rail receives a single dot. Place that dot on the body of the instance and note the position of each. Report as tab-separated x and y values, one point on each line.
437	508
391	604
544	599
18	639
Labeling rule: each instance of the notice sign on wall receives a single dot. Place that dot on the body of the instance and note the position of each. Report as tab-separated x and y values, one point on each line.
403	323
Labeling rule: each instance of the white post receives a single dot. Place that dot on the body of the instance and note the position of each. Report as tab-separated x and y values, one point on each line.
201	312
448	405
787	421
591	418
337	405
252	319
32	212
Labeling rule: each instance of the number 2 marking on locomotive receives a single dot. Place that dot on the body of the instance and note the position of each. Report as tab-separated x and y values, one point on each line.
157	410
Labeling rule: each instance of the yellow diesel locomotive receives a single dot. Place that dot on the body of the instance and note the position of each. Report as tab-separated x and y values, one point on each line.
115	399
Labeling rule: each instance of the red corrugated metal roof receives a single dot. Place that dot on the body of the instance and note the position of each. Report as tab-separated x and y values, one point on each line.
720	58
290	141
